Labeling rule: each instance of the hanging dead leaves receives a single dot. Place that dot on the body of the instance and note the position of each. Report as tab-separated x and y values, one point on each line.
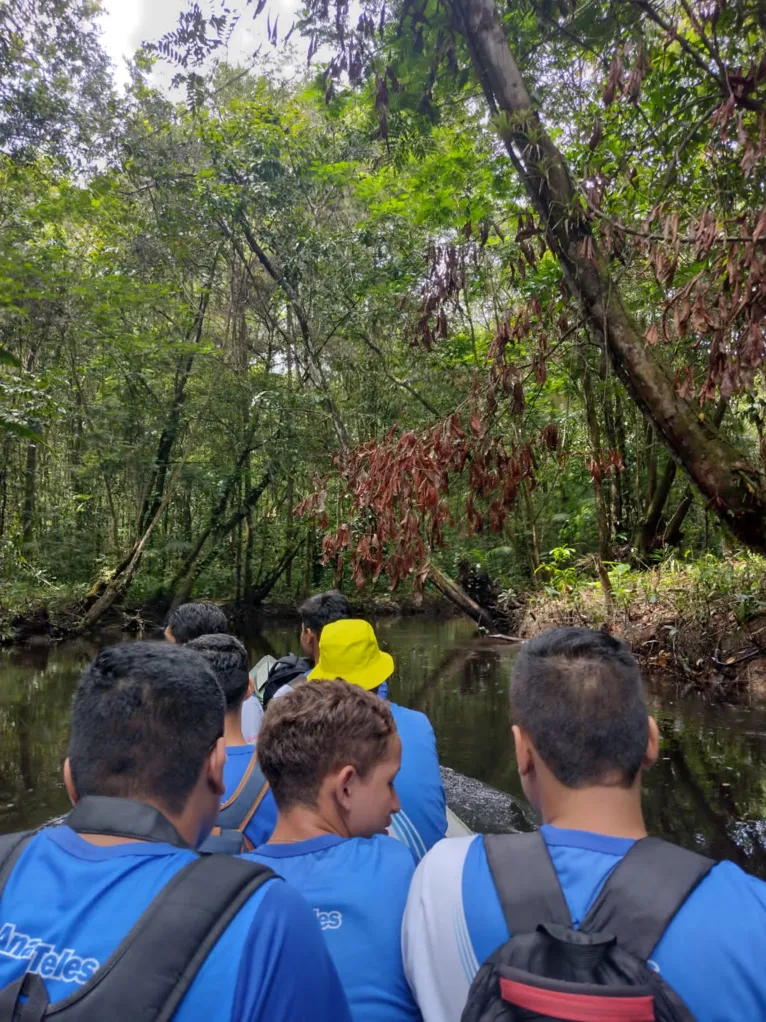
722	308
400	495
440	293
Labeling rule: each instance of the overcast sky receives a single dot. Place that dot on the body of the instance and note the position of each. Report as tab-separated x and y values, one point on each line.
127	23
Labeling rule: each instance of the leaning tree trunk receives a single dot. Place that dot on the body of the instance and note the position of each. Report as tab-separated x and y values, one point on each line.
734	488
449	588
183	585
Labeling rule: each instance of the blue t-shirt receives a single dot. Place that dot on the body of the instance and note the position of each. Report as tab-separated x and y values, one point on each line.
68	904
711	954
423	817
358	889
261	827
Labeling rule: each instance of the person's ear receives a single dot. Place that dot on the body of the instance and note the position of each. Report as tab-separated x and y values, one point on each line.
71	791
169	635
524	758
216	761
344	787
652	745
250	687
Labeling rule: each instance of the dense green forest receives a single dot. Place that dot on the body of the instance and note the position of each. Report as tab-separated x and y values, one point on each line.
477	282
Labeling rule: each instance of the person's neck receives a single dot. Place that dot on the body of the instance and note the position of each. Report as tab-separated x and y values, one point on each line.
302	823
232	728
612	811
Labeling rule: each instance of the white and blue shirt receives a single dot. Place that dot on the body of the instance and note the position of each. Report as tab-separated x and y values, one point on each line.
422	820
712	953
264	820
358	889
68	904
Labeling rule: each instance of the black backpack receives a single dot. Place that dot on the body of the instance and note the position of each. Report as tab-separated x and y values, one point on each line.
146	977
547	970
285	671
228	836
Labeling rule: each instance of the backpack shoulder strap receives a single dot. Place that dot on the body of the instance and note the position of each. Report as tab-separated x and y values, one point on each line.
11	849
237	811
525	881
149	973
644	892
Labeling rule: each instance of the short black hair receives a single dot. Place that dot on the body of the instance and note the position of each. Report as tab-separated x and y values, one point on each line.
191	620
144	717
579	696
323	609
228	659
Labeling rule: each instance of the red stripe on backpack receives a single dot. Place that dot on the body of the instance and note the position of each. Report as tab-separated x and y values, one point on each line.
571	1007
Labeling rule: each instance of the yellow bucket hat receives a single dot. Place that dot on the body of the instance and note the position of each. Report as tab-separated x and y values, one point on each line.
349	650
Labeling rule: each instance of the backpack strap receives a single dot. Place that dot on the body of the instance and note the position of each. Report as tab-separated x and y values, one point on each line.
150	972
24	1000
237	811
228	835
644	892
525	881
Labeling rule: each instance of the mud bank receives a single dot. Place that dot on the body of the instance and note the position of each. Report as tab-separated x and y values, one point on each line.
711	652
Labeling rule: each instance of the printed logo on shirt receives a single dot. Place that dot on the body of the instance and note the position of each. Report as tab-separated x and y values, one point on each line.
329	920
44	959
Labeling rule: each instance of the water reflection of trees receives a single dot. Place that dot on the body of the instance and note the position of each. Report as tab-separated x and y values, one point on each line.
35	690
708	789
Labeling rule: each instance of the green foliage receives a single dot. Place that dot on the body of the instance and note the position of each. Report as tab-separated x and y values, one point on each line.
202	305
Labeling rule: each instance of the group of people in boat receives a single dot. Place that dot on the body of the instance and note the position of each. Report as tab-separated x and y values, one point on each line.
304	872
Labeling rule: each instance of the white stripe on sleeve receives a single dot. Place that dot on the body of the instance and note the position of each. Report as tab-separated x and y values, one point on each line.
439	961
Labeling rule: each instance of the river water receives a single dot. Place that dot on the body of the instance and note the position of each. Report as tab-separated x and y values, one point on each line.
708	790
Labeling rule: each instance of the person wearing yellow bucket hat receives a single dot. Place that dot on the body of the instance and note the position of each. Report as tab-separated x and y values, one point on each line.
349	651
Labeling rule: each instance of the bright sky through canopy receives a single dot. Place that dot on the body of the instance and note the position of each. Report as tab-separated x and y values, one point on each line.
128	23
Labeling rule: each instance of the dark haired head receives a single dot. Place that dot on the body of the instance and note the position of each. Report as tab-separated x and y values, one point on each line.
228	659
323	609
317	728
578	695
191	620
145	716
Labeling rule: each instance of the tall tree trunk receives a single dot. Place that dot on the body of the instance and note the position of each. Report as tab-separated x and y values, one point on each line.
649	529
651	463
735	488
594	434
610	433
4	482
647	533
249	543
533	550
30	494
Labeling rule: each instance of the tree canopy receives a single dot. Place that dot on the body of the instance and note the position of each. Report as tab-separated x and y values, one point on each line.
478	283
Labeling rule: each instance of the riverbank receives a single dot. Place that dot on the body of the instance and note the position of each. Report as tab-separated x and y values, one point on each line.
39	621
701	622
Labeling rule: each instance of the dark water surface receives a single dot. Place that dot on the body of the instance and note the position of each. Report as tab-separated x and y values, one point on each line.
708	790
